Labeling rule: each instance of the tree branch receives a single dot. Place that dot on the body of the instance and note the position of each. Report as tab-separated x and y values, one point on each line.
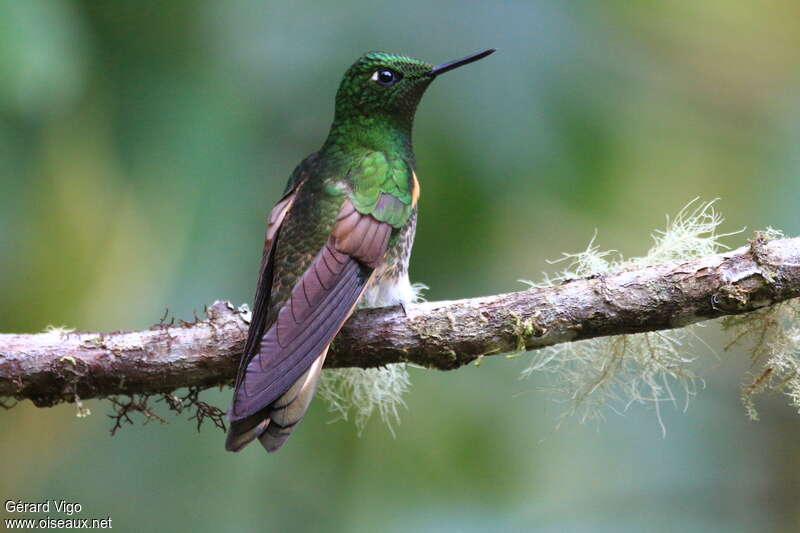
61	365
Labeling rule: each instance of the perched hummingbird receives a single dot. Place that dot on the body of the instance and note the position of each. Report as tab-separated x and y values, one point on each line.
340	235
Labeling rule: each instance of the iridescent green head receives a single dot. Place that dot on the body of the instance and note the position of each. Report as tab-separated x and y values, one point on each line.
382	90
381	84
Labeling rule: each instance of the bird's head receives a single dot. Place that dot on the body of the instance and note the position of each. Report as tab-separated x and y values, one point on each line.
386	88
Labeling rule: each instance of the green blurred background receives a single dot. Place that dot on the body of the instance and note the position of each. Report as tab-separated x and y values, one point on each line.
142	143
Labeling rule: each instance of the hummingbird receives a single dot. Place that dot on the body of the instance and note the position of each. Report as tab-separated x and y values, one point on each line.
339	237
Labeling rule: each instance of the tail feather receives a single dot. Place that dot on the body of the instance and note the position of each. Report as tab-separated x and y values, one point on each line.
288	410
273	424
242	432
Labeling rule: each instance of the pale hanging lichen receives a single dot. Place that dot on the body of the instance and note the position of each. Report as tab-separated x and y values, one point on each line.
364	391
645	368
772	336
81	410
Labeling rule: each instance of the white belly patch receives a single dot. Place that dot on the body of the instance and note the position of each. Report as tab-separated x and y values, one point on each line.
385	292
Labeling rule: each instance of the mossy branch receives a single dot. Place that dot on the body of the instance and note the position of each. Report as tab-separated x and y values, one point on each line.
61	365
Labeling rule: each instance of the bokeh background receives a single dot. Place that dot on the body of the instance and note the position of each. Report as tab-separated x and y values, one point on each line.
142	143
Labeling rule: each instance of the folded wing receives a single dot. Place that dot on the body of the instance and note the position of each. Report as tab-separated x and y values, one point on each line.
275	384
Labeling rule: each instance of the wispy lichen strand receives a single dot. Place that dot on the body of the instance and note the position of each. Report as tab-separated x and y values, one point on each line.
772	335
645	368
364	391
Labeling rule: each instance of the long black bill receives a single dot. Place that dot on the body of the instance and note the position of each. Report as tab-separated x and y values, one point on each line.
450	65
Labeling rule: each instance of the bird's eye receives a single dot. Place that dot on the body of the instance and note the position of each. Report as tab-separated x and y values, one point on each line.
385	77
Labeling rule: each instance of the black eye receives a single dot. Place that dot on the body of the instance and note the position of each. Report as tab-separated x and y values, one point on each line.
385	76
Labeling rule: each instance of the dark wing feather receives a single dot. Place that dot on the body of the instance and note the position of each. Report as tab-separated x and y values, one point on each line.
264	287
320	302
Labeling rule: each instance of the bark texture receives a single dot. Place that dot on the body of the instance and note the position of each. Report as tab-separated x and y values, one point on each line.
56	366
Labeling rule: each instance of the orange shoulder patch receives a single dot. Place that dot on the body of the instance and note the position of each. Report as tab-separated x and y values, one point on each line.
414	189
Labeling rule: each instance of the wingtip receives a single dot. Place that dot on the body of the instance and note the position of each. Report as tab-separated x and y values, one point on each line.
239	437
272	441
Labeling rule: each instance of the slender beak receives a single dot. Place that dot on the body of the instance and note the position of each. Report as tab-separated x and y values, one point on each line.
450	65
